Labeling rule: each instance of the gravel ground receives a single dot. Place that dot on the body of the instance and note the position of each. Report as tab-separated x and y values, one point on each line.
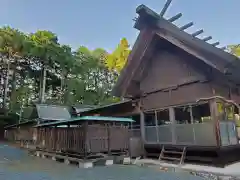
16	164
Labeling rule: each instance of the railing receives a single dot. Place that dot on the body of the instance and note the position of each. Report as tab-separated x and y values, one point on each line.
228	133
134	131
182	134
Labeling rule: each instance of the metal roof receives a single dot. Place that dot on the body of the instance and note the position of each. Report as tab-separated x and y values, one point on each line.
86	118
53	112
107	106
104	118
82	107
79	110
21	124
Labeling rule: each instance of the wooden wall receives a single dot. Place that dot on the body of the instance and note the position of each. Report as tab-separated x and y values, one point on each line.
171	80
167	70
179	96
173	77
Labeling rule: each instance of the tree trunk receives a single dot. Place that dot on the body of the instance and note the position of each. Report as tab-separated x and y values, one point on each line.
40	87
62	93
43	84
64	89
6	87
13	90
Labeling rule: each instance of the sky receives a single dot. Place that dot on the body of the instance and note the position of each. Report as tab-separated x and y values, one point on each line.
95	23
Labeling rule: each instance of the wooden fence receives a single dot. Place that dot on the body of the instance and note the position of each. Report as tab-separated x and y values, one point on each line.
24	135
84	139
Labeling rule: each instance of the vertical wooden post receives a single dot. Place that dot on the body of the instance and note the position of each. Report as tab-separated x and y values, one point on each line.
86	139
215	120
192	122
108	136
142	122
142	126
156	125
191	114
225	115
173	122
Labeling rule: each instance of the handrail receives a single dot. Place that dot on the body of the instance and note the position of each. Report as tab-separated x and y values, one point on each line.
187	134
221	98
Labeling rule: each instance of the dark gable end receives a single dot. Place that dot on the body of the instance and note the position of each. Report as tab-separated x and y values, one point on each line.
140	46
150	25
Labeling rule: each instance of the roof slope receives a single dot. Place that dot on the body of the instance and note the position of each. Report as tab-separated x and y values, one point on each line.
158	26
86	118
52	112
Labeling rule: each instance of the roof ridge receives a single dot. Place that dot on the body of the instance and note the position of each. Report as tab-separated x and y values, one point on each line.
174	18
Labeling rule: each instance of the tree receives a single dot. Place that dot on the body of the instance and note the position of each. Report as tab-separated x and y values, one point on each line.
38	68
44	44
96	78
13	46
116	60
234	49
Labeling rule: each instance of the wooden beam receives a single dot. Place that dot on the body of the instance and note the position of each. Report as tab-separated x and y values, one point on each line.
165	7
174	18
135	19
214	119
207	38
142	121
197	33
173	121
215	44
191	114
188	25
192	122
220	98
156	125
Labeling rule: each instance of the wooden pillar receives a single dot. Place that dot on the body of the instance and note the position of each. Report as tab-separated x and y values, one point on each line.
156	125
86	139
108	126
225	118
173	122
191	114
192	122
215	120
142	126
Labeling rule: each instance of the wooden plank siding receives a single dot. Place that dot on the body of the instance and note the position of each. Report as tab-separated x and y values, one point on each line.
84	139
171	80
212	62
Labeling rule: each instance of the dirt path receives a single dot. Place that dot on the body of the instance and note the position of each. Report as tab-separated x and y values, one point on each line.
16	164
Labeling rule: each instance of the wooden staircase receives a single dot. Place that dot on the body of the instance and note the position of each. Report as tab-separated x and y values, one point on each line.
172	155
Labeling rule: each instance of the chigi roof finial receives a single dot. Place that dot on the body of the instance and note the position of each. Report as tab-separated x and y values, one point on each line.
186	26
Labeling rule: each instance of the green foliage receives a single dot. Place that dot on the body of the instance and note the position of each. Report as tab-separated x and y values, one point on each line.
234	49
37	65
